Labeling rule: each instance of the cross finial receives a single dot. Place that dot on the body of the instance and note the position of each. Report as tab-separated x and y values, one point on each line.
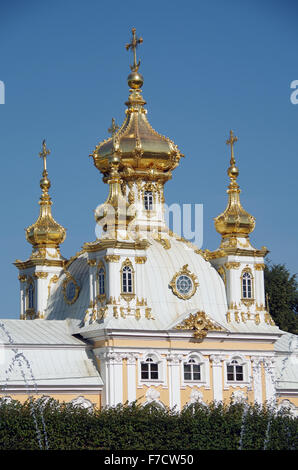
133	46
114	127
231	142
43	154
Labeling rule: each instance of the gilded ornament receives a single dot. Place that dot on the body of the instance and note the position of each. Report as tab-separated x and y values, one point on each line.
22	278
232	265
237	318
140	259
184	271
148	314
53	279
45	232
222	273
200	323
112	258
259	266
91	262
234	221
145	154
40	275
137	314
257	319
70	279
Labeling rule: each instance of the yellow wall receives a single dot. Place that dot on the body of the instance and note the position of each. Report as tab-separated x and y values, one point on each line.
95	398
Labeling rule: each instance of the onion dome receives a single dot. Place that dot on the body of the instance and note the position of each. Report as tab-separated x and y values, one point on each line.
234	221
45	232
143	152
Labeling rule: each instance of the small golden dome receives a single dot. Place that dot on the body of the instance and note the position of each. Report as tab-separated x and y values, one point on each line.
45	232
234	221
143	152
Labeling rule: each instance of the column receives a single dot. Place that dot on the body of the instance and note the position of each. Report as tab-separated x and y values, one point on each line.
174	380
131	377
269	363
115	378
111	374
217	376
257	379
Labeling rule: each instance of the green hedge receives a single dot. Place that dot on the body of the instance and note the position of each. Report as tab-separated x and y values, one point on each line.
54	425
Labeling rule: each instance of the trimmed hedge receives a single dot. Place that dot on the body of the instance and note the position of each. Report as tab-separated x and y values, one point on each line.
53	425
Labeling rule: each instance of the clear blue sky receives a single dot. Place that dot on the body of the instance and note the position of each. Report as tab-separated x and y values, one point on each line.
208	66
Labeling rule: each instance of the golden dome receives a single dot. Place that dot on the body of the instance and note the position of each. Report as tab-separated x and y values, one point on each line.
234	221
143	152
45	232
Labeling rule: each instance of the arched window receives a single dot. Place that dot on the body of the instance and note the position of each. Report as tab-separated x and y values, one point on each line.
30	296
101	281
127	280
247	285
148	200
149	369
235	371
192	370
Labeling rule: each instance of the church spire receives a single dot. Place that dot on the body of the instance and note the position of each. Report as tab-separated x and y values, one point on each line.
45	232
234	221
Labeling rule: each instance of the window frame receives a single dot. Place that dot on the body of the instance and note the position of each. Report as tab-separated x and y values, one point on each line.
246	370
162	371
101	296
150	200
247	272
127	295
204	370
30	289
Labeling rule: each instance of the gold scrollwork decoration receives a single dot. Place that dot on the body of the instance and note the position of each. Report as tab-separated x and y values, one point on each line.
200	323
184	271
70	279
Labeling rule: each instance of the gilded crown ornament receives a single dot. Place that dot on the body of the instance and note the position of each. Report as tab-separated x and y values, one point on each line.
45	232
234	221
143	153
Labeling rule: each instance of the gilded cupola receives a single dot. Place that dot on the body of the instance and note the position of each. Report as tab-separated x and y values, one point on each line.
45	232
142	151
234	221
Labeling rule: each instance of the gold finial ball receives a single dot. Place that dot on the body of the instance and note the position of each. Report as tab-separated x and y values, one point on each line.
233	172
114	159
135	80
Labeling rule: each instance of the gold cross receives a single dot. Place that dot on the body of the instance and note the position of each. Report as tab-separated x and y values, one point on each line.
133	46
114	127
231	142
43	154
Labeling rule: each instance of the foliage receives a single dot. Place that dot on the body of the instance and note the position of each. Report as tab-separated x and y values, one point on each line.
282	290
133	427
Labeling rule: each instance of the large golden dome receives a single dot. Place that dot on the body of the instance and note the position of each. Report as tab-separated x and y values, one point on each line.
143	152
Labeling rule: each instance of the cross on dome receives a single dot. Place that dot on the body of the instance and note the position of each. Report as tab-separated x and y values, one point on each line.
133	46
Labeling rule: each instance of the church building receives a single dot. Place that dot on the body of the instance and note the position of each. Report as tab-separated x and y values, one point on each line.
142	314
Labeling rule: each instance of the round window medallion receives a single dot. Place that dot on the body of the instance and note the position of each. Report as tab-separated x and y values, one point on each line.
70	289
184	283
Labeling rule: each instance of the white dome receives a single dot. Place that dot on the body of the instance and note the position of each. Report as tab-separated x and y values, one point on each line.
157	272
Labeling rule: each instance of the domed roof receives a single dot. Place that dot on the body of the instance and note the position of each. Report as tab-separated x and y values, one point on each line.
45	232
162	263
142	150
234	221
